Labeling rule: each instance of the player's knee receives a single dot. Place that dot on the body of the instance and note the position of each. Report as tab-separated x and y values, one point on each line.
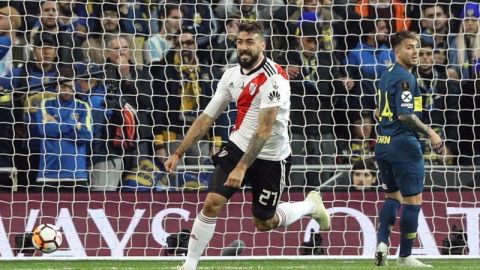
212	208
263	225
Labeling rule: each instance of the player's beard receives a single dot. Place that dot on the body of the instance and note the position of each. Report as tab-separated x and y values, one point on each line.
247	64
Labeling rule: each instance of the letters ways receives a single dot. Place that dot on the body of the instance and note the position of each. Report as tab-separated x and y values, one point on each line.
138	224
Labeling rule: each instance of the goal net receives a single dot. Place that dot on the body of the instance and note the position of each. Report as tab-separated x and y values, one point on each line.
95	95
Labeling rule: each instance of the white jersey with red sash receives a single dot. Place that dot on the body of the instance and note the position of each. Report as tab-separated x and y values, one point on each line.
264	87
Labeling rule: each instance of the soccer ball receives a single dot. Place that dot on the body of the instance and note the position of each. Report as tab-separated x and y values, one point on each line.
47	238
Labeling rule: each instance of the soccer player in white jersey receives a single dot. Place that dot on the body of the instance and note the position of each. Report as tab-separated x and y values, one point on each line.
258	151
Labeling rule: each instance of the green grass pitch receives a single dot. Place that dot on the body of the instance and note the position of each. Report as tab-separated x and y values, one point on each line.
355	264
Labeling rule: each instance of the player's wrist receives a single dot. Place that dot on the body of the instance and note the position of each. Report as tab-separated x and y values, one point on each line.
242	166
431	132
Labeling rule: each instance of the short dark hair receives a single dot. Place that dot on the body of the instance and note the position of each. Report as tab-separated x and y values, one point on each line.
110	38
66	73
188	29
399	37
45	38
231	18
433	5
365	164
251	27
108	6
426	43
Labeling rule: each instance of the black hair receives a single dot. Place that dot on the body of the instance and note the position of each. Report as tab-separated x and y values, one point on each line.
425	43
433	5
366	164
165	11
251	27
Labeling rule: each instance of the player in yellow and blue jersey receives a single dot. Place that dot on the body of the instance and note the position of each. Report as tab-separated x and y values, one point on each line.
398	151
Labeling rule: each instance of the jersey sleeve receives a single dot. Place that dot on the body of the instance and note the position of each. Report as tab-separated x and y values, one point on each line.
275	92
220	99
5	44
404	95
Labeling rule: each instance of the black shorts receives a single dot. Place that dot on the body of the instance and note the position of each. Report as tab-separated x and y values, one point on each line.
267	179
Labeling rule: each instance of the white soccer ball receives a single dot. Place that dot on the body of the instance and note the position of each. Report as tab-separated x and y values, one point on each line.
47	238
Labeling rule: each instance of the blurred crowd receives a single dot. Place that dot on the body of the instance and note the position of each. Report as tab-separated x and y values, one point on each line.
96	94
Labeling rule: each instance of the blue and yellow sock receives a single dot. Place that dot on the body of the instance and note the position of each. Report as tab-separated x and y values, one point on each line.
408	228
388	216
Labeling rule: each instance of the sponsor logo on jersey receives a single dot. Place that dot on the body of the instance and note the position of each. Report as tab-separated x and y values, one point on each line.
274	97
407	100
407	105
407	96
252	89
230	86
223	153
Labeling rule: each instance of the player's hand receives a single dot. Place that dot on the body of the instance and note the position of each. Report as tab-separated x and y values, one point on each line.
348	83
376	113
437	143
293	71
161	154
452	74
235	178
171	163
50	118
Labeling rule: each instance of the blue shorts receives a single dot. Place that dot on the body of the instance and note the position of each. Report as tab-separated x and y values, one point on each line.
408	177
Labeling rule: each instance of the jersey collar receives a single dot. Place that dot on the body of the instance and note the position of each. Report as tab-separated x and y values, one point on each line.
255	69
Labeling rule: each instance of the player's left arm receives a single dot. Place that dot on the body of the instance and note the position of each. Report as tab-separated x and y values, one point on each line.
266	119
414	123
407	105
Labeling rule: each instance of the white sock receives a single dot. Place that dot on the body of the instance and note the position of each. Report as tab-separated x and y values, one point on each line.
202	231
290	212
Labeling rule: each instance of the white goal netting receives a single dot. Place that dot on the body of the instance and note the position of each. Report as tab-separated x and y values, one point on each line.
94	96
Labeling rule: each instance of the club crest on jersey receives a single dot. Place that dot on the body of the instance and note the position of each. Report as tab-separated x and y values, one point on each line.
275	86
405	85
252	88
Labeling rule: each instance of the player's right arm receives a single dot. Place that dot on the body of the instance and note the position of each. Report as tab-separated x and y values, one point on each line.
202	124
199	128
